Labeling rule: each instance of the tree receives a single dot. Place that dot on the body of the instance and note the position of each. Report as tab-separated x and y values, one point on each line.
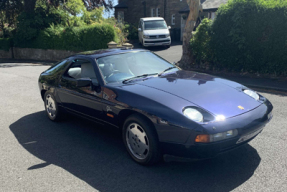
89	4
195	8
9	11
29	5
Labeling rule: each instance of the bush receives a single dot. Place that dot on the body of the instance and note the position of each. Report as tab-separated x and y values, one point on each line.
30	24
73	38
200	43
249	36
5	44
132	31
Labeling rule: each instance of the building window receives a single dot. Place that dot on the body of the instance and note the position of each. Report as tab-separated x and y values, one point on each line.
158	12
121	17
173	19
213	15
152	12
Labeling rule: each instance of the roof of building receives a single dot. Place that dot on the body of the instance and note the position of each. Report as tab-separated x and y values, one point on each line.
121	5
152	18
213	4
206	5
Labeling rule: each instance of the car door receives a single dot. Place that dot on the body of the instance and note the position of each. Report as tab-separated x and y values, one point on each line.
83	100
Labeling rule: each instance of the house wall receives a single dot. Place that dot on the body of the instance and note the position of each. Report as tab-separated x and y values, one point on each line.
173	7
135	10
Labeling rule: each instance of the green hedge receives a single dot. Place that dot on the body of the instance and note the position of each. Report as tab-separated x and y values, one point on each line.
200	43
74	39
250	36
5	44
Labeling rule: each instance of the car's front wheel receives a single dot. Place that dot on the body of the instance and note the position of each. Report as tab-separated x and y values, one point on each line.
141	140
51	107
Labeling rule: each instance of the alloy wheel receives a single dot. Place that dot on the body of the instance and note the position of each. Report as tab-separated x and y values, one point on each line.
50	106
137	141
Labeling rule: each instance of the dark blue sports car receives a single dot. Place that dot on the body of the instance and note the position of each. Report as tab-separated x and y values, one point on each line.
159	108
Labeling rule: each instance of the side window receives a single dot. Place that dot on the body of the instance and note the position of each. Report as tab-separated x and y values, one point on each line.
81	68
57	67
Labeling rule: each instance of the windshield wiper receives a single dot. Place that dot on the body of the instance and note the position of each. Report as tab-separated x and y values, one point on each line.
139	76
166	70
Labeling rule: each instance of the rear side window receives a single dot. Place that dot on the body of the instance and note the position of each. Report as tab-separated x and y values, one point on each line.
57	67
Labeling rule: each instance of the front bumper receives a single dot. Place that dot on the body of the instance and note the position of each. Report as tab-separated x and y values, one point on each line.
156	42
249	125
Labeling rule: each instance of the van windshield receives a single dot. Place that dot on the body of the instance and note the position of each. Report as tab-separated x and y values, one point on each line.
153	25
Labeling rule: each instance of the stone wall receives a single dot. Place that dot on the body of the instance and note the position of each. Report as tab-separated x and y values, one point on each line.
36	54
6	54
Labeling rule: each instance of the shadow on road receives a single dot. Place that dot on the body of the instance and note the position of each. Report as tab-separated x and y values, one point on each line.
96	155
137	45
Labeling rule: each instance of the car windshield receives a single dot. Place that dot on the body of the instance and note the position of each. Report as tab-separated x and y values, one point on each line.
121	67
153	25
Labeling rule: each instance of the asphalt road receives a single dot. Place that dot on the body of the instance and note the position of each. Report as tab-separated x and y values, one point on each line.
172	54
77	155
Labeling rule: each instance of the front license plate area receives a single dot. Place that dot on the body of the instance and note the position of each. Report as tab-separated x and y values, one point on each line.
249	136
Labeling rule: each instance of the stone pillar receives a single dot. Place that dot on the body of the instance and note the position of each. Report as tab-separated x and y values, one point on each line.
112	45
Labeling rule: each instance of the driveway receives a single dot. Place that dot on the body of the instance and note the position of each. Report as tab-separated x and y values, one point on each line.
172	54
78	155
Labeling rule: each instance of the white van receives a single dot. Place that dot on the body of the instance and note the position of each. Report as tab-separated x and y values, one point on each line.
153	31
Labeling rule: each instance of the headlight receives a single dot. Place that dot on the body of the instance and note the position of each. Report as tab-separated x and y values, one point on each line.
251	94
167	36
193	114
216	137
146	36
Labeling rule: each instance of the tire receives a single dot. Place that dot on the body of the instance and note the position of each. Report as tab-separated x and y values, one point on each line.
167	46
51	107
141	141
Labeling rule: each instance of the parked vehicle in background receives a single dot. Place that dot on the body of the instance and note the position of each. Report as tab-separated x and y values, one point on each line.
153	31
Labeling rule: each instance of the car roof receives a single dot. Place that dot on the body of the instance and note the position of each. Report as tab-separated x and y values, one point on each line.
107	52
152	18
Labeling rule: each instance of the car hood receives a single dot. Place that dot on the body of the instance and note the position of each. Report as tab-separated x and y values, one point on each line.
156	32
216	95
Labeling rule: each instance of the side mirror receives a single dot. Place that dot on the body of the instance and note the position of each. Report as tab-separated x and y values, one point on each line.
139	29
95	83
84	82
169	27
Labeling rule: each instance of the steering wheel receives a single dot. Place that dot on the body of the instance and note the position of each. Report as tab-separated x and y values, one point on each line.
113	73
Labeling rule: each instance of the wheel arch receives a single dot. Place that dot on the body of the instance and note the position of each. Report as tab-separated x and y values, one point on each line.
43	93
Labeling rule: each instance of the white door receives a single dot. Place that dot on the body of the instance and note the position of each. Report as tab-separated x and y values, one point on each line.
183	22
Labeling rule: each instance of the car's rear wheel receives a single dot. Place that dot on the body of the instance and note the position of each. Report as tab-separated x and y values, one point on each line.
51	107
141	140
